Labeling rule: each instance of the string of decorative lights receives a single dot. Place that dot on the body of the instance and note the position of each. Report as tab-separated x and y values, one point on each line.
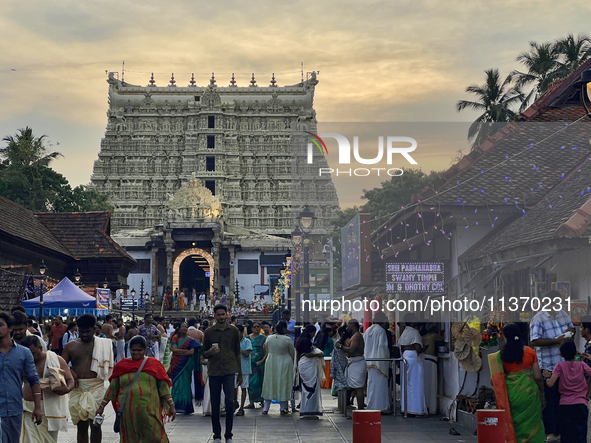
482	171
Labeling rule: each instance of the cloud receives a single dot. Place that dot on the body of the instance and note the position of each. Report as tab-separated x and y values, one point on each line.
378	60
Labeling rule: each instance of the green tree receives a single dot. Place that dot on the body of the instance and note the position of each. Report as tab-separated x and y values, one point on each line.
381	202
27	178
574	51
24	170
496	100
543	68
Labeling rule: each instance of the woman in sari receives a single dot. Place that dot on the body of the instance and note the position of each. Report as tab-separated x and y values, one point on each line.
339	363
257	361
181	367
517	382
327	347
148	401
310	370
182	300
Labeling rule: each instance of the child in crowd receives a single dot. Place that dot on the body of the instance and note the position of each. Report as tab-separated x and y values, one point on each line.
573	410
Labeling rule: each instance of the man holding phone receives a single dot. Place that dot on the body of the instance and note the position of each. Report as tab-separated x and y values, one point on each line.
221	346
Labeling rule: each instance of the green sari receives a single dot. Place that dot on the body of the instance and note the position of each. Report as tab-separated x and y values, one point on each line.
518	394
255	387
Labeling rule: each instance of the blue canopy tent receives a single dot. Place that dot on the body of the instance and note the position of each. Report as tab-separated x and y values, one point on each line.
65	299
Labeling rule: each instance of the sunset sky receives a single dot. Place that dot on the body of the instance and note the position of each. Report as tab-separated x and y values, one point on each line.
391	61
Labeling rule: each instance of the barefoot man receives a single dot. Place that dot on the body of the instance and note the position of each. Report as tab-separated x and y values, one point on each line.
54	402
356	369
92	364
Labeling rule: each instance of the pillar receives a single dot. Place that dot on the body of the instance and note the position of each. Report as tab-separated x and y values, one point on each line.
154	271
217	243
169	243
232	295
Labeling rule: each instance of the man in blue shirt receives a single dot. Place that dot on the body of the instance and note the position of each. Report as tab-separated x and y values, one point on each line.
290	324
15	361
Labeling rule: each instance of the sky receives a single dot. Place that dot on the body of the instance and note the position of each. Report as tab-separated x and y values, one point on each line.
378	61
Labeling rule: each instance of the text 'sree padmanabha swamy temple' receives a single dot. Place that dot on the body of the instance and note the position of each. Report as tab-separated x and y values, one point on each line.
206	181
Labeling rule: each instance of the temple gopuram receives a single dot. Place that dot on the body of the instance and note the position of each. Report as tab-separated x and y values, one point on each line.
207	182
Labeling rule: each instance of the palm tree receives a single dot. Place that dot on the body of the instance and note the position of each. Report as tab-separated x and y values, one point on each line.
495	99
24	172
26	150
574	51
543	67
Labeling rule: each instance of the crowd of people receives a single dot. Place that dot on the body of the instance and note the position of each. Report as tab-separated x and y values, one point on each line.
162	369
221	367
188	300
544	391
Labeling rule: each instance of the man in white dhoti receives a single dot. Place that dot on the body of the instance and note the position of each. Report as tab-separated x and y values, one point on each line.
54	404
377	346
356	367
92	365
193	299
412	347
202	302
431	339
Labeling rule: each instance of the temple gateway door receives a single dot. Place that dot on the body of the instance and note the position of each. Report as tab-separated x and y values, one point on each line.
190	270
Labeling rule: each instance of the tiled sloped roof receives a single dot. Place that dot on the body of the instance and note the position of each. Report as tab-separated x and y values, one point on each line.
85	234
12	288
543	222
19	222
540	167
500	177
562	114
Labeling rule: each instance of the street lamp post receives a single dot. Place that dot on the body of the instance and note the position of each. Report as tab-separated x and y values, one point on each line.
306	279
330	249
306	219
42	270
296	240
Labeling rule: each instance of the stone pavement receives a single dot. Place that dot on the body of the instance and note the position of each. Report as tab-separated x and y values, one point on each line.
254	427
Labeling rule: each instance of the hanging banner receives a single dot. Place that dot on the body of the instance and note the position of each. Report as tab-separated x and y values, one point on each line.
102	298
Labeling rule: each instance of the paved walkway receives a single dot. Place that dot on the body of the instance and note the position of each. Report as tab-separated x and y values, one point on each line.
254	427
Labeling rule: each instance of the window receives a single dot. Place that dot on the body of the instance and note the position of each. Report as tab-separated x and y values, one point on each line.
197	98
210	184
142	266
211	121
248	266
210	163
211	141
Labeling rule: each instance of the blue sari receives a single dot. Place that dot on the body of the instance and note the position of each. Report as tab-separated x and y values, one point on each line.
180	372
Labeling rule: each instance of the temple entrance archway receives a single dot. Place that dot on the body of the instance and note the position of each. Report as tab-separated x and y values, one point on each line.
189	270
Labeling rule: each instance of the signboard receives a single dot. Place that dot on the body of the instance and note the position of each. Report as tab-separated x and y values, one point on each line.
415	277
127	303
355	250
102	298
